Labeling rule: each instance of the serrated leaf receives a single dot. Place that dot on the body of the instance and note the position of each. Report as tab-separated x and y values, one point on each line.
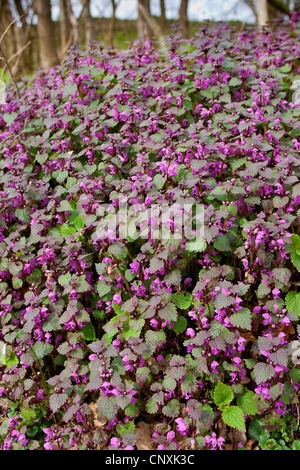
241	319
180	325
65	230
88	331
263	372
221	243
17	283
295	259
280	357
64	279
57	400
182	299
292	302
42	349
159	181
282	275
172	408
151	406
247	403
103	288
142	374
107	407
28	415
168	313
198	245
78	223
263	290
234	417
156	264
169	383
223	394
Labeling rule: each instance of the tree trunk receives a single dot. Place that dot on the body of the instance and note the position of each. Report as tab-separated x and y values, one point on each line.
163	19
25	59
64	25
297	6
74	23
183	18
141	22
112	24
46	35
262	13
155	28
88	21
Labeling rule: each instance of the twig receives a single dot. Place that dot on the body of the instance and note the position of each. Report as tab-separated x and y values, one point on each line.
10	71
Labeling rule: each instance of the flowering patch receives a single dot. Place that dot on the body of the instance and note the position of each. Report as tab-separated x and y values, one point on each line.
192	332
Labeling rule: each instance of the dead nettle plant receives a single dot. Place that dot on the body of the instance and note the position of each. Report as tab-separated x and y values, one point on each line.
196	337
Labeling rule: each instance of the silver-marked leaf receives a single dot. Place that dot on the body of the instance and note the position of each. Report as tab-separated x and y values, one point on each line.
263	372
57	400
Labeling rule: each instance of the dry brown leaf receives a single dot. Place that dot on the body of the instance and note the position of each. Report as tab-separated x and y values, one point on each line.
143	432
98	422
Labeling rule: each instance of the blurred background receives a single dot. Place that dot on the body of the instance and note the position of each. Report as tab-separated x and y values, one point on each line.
37	33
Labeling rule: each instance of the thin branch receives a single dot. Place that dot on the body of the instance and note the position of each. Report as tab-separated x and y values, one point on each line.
10	71
8	27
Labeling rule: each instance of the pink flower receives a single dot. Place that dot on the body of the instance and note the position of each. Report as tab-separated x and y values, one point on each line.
117	299
181	426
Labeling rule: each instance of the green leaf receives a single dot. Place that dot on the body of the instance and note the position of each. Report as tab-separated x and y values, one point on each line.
28	415
128	427
182	299
292	302
65	230
172	408
234	81
169	383
295	245
256	428
78	223
180	325
247	403
64	279
127	332
159	181
282	275
17	283
103	288
151	406
296	445
234	417
42	349
222	244
9	117
242	319
89	332
198	245
263	290
295	259
142	374
223	394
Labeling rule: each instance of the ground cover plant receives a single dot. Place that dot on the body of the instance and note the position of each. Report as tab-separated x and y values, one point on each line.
162	342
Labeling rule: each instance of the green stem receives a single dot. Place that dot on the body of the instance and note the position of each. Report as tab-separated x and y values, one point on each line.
45	387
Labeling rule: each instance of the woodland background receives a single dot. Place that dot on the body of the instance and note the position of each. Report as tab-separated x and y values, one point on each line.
31	38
